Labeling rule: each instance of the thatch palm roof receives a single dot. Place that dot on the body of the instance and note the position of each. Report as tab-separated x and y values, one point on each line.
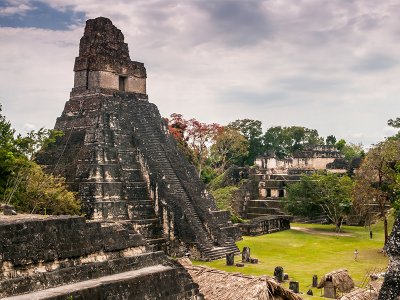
340	279
220	285
360	294
376	284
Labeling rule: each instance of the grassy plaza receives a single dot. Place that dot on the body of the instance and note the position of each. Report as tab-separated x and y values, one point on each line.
311	249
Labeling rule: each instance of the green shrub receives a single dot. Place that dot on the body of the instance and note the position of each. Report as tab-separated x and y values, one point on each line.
223	197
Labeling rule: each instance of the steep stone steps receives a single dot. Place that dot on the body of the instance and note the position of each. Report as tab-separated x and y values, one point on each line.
220	252
150	130
264	207
256	215
158	155
264	211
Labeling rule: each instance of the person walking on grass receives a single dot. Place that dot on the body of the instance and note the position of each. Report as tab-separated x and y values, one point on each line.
355	254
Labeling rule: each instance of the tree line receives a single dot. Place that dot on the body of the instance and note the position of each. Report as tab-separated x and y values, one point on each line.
212	148
369	192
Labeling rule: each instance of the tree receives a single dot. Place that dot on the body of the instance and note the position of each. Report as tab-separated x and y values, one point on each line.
340	144
330	192
330	140
276	142
44	193
8	152
34	141
22	182
284	141
177	126
198	137
301	197
353	154
230	147
193	137
351	151
252	130
395	123
377	181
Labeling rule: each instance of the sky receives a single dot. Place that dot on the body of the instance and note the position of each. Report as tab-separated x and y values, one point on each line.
330	65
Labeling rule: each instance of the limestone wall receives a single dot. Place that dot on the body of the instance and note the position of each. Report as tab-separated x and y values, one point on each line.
108	80
316	163
39	252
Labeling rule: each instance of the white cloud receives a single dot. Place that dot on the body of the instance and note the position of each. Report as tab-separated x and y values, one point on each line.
329	65
29	126
15	7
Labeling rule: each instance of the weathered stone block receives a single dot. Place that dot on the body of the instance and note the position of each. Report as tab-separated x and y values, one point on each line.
294	286
315	281
279	274
230	259
246	254
254	260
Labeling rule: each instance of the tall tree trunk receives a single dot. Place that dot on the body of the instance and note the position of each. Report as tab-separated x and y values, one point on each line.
338	224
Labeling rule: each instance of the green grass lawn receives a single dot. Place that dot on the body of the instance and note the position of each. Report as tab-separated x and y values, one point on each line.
303	254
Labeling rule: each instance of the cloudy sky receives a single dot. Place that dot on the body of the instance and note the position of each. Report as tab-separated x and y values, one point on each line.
332	65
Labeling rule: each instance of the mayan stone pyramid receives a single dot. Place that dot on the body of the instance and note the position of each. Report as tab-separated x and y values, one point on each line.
119	157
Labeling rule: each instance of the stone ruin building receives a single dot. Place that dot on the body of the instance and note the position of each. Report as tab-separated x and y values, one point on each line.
261	199
118	155
274	174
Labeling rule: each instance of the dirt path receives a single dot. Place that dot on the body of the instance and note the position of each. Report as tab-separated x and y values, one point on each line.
312	231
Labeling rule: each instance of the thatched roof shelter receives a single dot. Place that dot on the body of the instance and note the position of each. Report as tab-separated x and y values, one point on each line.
360	294
376	284
340	279
220	285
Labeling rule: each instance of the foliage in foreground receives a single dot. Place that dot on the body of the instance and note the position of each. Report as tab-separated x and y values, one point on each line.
43	193
22	182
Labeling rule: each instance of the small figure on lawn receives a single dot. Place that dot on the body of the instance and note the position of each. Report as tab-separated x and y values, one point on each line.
370	234
355	254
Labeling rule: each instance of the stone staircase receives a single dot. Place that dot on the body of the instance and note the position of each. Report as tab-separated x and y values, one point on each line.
140	206
157	153
264	207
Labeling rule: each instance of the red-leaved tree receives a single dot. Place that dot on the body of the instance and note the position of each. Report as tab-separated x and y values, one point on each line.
194	138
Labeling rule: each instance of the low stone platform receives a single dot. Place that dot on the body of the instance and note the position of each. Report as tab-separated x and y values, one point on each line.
265	225
53	257
132	285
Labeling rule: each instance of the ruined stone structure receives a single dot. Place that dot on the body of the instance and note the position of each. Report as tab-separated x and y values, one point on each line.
104	61
320	157
265	225
391	286
273	174
44	257
117	154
